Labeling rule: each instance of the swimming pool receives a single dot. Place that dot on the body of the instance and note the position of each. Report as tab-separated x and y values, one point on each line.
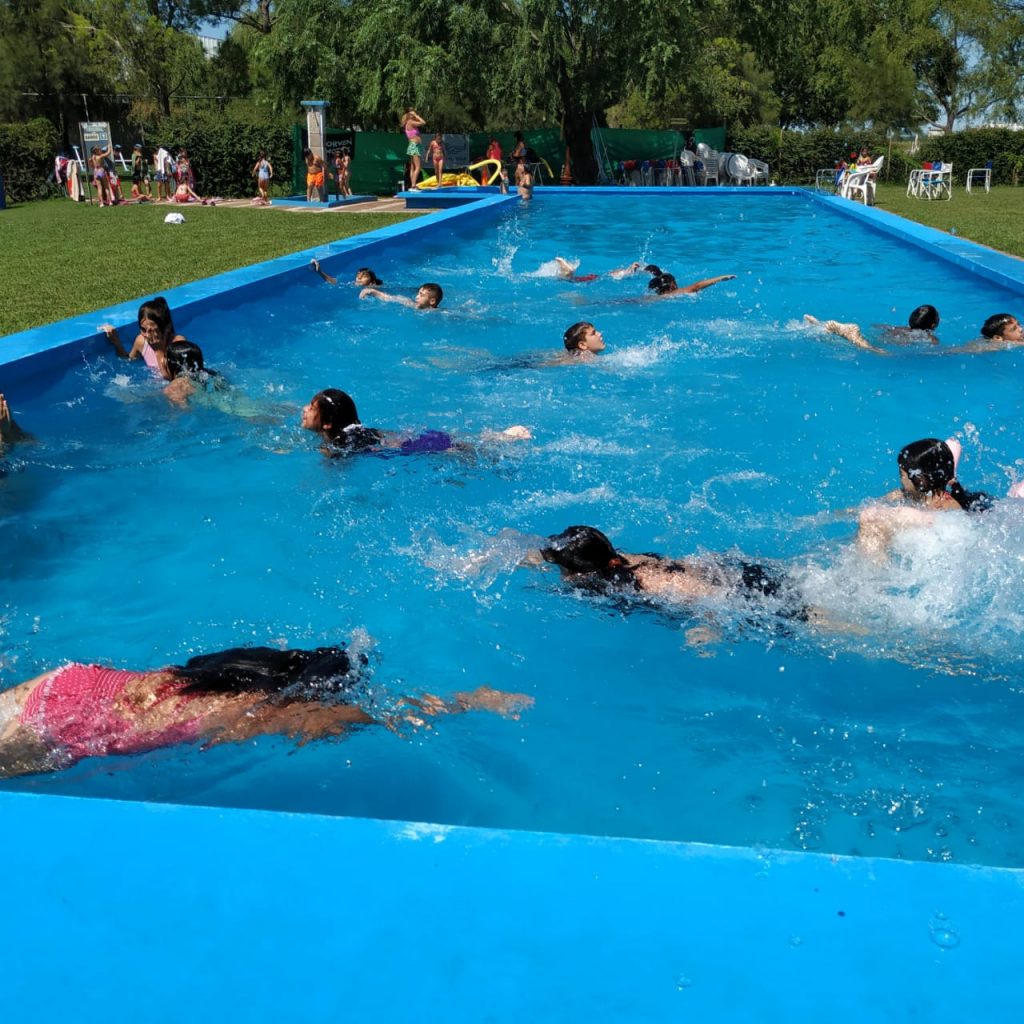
139	534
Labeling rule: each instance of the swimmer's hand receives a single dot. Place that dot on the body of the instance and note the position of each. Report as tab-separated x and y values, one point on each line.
368	293
114	338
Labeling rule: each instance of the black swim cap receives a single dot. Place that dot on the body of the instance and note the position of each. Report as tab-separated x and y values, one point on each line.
924	318
580	549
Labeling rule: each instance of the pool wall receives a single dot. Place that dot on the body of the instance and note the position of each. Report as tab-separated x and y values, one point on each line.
166	913
159	913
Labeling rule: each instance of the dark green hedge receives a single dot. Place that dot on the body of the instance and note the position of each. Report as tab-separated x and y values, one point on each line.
223	152
26	158
973	148
795	157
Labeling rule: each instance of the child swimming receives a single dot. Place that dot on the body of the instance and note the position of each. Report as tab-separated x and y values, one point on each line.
57	719
332	414
428	296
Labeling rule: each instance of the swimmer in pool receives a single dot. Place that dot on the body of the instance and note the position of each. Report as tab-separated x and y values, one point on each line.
928	485
583	341
588	560
429	296
156	332
10	432
921	325
364	278
664	285
331	413
76	711
565	270
1004	328
188	372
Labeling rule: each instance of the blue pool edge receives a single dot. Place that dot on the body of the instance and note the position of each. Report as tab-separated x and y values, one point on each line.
315	918
303	917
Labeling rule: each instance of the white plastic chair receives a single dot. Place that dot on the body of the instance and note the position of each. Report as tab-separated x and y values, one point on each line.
686	162
860	181
984	174
739	170
760	170
709	158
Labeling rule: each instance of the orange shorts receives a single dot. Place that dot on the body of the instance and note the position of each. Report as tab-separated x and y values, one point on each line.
315	179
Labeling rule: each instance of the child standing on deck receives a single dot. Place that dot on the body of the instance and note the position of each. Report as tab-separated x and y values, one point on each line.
263	172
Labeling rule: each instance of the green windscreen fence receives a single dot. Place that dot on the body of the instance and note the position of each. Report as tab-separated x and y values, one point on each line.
378	158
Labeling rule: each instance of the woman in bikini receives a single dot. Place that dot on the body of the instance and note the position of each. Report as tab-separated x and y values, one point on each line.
76	711
411	124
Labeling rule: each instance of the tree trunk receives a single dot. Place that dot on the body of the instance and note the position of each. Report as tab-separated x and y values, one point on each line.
576	125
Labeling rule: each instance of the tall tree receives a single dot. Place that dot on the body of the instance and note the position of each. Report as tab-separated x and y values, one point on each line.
589	54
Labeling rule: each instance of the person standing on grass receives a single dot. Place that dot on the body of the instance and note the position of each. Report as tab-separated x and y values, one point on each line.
263	172
162	174
140	174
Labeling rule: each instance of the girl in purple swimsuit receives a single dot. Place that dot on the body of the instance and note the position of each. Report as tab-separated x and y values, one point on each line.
76	711
331	413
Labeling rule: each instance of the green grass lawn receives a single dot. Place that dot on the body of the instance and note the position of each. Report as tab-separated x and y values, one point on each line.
60	258
993	219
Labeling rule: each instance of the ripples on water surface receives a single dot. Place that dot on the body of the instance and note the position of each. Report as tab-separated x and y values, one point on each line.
138	534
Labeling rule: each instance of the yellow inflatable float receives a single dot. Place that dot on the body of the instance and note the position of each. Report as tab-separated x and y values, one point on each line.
464	179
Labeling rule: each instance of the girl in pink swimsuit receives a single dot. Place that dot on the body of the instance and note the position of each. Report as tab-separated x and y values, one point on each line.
411	125
156	332
78	711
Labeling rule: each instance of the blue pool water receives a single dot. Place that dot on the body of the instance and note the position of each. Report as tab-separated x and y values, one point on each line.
138	534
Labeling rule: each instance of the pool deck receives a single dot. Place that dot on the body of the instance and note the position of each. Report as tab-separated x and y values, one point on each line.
165	913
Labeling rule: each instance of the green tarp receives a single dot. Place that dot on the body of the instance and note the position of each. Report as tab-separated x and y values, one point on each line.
378	163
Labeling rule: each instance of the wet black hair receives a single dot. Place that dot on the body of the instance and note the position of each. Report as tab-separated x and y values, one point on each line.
374	279
924	318
932	469
434	290
662	283
655	271
337	411
306	152
304	674
184	358
157	310
590	558
574	335
994	325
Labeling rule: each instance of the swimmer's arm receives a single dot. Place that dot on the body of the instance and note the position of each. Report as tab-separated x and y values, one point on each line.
483	698
699	286
115	340
178	391
622	272
376	293
878	525
516	433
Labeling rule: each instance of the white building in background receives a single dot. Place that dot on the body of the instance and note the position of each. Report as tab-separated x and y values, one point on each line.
210	46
